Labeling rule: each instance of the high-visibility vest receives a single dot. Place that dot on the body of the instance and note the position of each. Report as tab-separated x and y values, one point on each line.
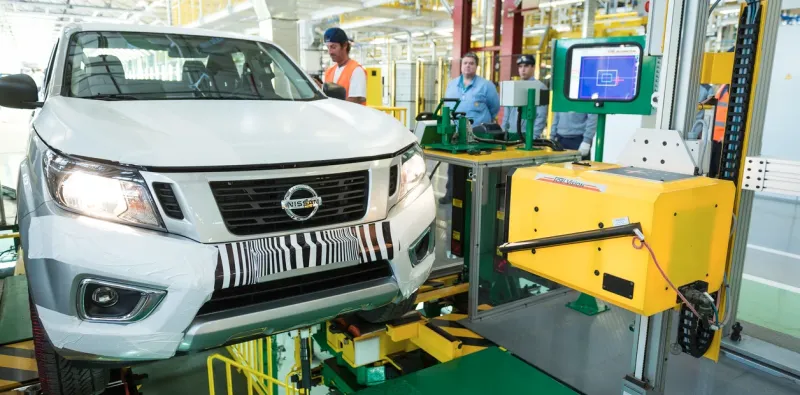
722	95
344	78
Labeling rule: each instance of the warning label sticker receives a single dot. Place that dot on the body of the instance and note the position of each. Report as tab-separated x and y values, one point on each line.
571	182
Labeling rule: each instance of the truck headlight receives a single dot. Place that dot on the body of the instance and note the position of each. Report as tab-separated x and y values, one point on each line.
412	171
102	191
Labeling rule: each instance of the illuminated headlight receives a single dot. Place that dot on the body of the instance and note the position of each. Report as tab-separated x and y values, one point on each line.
412	171
101	191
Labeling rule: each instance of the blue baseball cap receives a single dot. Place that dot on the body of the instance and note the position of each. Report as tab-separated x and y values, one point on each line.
526	59
336	35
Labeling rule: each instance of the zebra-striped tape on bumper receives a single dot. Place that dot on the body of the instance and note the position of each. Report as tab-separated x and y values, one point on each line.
243	263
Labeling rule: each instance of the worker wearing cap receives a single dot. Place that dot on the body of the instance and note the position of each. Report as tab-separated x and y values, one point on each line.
346	72
479	98
526	66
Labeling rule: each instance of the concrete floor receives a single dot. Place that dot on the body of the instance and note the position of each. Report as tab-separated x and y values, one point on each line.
593	354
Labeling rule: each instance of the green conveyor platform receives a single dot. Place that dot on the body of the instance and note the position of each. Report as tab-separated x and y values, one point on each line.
15	316
491	371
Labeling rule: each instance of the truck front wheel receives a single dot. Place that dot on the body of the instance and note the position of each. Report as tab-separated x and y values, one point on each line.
57	375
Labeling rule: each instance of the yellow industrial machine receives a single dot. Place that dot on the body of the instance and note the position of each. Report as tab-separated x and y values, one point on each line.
582	225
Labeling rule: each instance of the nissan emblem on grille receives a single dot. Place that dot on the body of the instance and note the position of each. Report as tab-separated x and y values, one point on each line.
297	207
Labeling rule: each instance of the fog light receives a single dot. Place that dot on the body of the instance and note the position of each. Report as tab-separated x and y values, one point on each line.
105	297
100	300
423	246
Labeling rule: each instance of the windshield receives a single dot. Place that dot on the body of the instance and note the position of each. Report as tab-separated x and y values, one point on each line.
153	66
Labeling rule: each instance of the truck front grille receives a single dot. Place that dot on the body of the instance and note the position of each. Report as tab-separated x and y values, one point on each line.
302	285
251	207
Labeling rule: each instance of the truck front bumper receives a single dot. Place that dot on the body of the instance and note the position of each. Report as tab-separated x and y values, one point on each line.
62	250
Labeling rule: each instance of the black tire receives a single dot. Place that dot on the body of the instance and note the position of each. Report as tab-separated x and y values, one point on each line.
390	312
57	375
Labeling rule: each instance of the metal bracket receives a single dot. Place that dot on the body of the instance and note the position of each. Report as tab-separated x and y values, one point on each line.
771	175
658	149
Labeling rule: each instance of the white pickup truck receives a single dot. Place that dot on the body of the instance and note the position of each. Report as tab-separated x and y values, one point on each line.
186	189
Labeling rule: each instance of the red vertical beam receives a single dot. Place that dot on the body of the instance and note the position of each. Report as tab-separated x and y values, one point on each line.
511	41
462	31
498	21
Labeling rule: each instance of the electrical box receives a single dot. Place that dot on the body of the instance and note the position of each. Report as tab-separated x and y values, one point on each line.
374	86
515	93
566	223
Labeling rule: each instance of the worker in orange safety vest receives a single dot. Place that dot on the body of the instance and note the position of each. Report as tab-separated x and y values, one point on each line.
345	72
721	116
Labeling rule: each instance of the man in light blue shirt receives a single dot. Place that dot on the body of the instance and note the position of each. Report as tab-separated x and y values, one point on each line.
479	98
574	131
526	65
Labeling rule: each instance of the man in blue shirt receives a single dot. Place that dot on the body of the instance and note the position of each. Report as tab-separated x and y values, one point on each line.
575	131
479	98
526	65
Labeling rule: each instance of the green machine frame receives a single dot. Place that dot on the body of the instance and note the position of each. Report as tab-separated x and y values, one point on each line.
639	105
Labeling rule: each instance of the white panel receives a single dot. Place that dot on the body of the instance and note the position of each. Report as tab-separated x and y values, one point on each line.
619	130
658	150
515	93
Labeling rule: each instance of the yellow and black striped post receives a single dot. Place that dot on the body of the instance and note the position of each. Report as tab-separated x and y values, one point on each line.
17	365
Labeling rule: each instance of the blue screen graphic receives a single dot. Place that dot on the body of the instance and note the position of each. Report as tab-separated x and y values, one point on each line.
608	78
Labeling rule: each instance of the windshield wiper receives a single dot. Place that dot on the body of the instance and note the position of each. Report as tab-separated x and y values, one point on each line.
111	96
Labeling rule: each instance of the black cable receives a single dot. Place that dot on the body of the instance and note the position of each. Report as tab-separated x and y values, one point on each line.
434	170
713	6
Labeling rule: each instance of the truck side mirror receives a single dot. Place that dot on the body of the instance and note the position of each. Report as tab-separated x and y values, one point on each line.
19	91
334	91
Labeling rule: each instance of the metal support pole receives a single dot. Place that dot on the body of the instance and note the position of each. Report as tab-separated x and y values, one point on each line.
169	12
589	10
511	41
600	137
766	47
679	82
650	350
498	23
677	104
475	247
2	208
462	31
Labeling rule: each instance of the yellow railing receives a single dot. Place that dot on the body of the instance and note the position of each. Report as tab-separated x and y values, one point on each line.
259	381
251	354
248	359
398	113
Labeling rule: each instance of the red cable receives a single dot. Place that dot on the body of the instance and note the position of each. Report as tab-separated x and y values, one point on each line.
653	255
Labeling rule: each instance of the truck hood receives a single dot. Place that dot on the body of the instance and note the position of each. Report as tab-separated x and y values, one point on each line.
202	133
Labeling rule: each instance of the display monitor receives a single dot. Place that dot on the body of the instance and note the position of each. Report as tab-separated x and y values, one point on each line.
601	73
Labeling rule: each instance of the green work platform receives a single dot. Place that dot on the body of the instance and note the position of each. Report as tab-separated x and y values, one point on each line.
15	315
491	371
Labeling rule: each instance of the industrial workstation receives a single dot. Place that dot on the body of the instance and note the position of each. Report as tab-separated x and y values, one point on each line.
399	197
